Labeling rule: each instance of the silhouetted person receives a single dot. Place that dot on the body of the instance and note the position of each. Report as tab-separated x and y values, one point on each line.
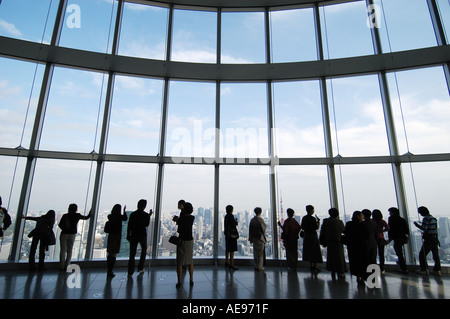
291	229
257	237
331	232
231	236
382	227
429	228
5	219
137	234
399	234
185	250
372	238
311	247
43	235
356	235
115	220
69	229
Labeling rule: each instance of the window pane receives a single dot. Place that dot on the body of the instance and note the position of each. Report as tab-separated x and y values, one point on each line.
422	111
344	30
312	183
377	192
57	184
243	120
143	32
298	119
11	174
243	37
253	181
293	35
194	36
194	184
89	25
26	20
444	11
18	101
74	111
405	25
117	189
135	116
191	119
357	121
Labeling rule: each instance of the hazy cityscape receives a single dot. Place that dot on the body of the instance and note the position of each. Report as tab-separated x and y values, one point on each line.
203	238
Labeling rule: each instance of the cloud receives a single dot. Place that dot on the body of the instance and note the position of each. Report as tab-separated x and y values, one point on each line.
10	28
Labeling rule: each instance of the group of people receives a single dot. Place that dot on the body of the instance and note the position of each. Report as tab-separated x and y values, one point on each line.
364	237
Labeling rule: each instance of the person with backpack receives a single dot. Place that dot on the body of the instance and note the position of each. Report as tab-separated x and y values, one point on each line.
69	229
429	228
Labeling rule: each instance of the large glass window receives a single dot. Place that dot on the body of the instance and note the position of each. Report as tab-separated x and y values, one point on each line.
89	25
194	36
243	39
191	119
422	111
74	111
444	11
28	20
293	36
56	185
243	120
298	119
135	122
194	184
124	184
143	31
245	188
357	119
18	101
405	25
344	30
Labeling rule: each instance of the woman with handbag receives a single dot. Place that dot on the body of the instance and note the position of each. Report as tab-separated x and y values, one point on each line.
231	237
43	235
185	249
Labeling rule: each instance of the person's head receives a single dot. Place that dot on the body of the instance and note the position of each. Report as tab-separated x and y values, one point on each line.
367	213
72	208
393	211
357	216
50	214
333	212
142	203
290	212
423	211
310	209
116	210
181	203
188	209
229	209
257	211
377	215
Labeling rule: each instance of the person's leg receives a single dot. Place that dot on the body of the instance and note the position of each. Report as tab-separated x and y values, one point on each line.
32	255
70	242
191	273
133	248
143	244
42	248
62	251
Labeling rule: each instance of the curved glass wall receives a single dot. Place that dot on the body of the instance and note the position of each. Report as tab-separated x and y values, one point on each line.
334	104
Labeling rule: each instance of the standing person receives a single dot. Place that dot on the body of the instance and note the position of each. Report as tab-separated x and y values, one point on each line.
231	236
429	228
399	233
5	218
257	237
43	235
113	228
331	232
137	234
382	227
185	250
68	225
311	247
356	235
372	238
291	229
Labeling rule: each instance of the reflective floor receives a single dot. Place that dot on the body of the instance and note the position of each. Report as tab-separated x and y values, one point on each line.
215	282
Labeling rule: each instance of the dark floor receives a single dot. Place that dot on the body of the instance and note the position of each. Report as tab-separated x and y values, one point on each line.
215	282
